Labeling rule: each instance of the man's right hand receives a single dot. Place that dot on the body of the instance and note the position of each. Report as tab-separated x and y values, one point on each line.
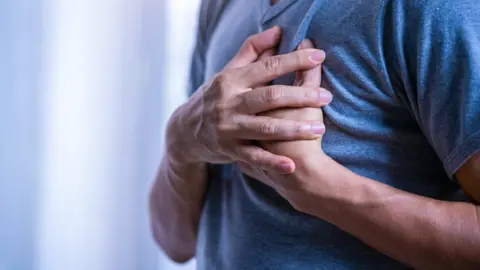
219	122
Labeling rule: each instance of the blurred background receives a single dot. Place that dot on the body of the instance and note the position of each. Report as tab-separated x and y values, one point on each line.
86	89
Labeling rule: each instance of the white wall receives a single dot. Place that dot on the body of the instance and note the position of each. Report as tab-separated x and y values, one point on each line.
84	97
92	197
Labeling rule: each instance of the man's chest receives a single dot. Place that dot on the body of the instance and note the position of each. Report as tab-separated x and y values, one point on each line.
349	31
357	70
368	127
244	18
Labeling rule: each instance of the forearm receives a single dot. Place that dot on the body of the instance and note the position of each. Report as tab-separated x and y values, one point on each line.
176	202
421	232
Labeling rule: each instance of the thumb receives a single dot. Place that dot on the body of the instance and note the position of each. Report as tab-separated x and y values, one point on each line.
255	46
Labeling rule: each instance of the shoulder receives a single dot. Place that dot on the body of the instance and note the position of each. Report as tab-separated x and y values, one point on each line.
418	26
440	12
440	26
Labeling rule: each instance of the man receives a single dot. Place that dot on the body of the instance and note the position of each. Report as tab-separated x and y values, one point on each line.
246	181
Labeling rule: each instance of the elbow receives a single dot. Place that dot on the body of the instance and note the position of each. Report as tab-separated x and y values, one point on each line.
179	258
175	255
173	252
170	246
167	235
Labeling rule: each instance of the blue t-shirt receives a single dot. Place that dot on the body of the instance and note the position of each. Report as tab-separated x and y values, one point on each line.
405	75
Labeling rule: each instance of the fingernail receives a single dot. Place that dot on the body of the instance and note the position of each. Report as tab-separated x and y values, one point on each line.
325	96
317	56
318	128
275	32
276	27
285	167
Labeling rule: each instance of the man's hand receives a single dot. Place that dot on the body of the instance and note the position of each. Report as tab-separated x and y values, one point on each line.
301	149
217	125
305	153
421	232
221	119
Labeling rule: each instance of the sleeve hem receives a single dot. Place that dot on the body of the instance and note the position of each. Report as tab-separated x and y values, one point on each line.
461	154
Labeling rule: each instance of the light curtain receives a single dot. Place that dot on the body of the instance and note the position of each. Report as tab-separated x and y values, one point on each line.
85	98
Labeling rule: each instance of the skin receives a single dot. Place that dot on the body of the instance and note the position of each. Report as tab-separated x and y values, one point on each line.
218	124
224	115
421	232
295	149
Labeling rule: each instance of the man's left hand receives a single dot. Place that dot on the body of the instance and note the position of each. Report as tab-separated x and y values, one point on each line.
298	187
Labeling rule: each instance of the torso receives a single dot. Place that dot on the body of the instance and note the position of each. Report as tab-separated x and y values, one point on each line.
246	225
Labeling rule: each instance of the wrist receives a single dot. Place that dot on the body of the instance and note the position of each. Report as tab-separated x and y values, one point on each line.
179	166
181	159
174	127
344	191
186	181
332	186
179	141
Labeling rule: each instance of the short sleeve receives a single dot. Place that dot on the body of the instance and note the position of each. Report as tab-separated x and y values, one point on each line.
441	46
209	12
197	64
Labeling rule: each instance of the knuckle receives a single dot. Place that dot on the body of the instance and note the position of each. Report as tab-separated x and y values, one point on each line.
246	106
272	64
268	128
243	102
225	124
248	44
255	157
272	94
224	132
249	41
218	111
221	80
219	114
300	129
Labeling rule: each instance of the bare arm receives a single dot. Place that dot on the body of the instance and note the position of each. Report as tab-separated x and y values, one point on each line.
421	232
217	125
176	201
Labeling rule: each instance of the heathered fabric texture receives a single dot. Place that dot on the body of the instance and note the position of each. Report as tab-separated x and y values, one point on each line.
405	75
